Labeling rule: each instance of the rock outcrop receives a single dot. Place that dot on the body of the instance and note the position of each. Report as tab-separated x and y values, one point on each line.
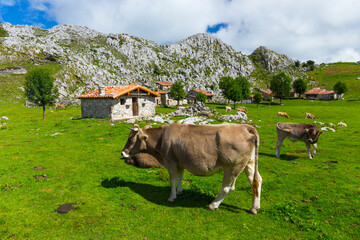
89	58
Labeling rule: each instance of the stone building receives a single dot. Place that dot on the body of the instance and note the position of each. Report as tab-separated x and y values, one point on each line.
191	96
321	94
164	86
118	102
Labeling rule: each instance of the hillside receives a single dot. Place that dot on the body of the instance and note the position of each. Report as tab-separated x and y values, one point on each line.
325	76
83	59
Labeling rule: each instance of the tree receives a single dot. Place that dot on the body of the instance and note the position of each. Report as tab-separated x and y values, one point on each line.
40	89
201	97
340	88
280	85
235	93
177	91
245	87
299	86
310	64
225	84
297	63
269	99
258	98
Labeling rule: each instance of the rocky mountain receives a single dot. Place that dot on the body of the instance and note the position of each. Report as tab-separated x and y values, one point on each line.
88	59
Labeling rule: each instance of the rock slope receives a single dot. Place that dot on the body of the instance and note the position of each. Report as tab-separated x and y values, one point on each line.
89	58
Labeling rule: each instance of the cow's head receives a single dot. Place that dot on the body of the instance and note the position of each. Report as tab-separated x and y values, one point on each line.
136	142
313	134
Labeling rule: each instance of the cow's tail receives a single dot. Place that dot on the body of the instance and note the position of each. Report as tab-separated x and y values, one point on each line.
255	183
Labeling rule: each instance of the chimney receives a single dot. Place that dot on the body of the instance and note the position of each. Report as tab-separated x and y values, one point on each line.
101	91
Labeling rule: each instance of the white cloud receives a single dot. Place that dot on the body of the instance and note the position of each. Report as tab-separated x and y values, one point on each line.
307	29
8	3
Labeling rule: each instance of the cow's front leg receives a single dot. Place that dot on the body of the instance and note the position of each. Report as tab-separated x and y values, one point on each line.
315	149
308	150
278	146
227	186
175	175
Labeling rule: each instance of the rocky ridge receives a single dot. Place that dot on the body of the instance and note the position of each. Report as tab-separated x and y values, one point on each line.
89	58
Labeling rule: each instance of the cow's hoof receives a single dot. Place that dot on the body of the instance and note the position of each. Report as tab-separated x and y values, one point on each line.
179	193
212	207
171	200
253	211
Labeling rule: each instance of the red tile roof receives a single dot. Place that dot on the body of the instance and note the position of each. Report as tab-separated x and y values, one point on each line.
202	91
163	92
117	91
327	92
165	83
267	91
315	91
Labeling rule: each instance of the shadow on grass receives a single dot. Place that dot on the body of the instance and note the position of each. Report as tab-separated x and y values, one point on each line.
282	156
159	195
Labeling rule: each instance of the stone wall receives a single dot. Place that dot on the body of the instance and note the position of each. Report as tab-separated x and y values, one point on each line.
117	109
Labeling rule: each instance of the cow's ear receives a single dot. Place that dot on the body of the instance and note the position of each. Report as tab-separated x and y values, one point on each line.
143	137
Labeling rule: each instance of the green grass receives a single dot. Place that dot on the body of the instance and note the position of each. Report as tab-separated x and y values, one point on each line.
301	198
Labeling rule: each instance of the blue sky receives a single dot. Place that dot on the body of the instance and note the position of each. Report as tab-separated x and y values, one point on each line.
20	13
320	30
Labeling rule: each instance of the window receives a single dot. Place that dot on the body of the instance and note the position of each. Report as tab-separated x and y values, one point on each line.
122	101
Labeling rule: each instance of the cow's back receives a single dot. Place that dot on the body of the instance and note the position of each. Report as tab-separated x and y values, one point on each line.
205	149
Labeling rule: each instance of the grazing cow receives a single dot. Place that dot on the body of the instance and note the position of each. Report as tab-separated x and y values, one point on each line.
242	109
307	133
228	108
60	105
203	150
283	114
309	115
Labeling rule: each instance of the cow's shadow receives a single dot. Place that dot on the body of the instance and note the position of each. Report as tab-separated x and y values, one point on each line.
158	195
282	156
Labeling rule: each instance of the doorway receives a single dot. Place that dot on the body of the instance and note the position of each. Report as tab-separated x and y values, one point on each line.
135	107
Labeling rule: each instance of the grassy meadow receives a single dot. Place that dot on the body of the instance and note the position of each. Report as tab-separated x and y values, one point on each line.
66	159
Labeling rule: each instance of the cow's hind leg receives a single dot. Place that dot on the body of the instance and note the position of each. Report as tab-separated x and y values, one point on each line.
228	185
179	189
255	183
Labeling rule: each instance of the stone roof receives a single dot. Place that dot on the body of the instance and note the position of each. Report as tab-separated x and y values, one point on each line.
117	91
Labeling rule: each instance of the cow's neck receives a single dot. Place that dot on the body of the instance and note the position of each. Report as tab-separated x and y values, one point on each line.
154	139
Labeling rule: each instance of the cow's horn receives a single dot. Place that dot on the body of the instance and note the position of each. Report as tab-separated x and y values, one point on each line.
133	129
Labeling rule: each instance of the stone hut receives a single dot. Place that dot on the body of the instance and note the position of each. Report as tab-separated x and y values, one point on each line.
118	102
321	94
191	96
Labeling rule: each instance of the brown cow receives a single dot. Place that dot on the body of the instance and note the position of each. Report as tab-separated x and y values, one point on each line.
145	160
283	114
307	133
309	115
242	109
203	150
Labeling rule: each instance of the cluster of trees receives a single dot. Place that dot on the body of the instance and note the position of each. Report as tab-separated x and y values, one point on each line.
235	89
